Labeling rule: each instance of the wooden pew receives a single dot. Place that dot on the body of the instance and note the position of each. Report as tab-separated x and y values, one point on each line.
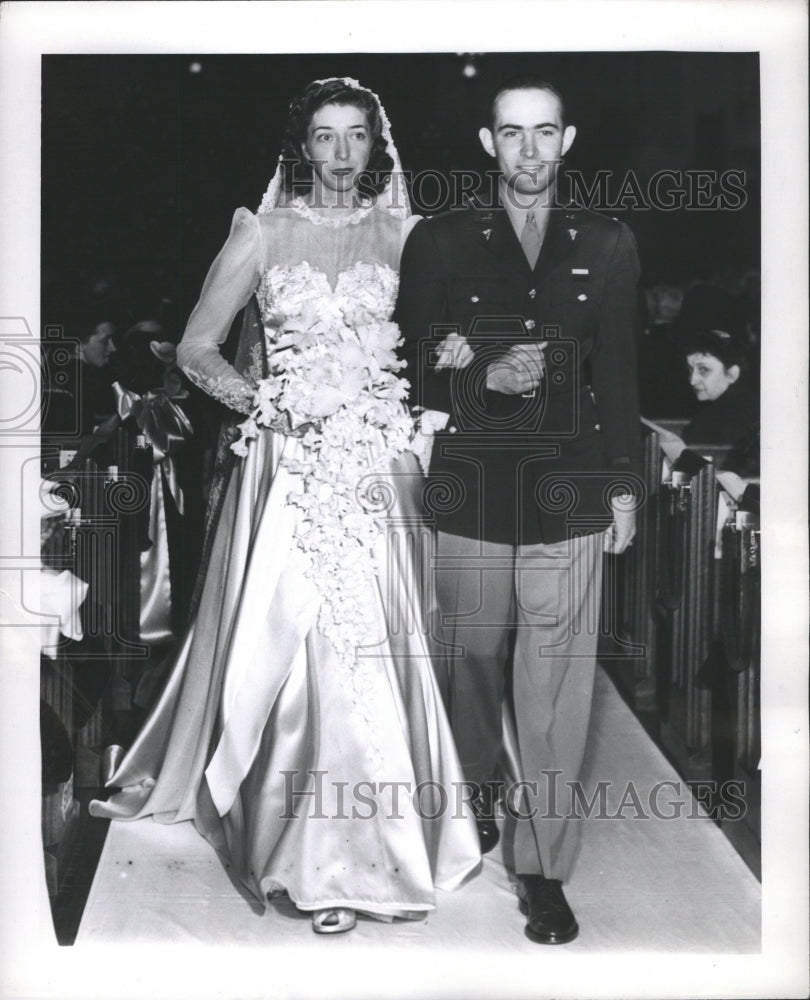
89	684
685	562
740	628
633	577
689	616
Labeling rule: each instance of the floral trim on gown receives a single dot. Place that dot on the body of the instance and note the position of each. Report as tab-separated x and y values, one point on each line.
337	783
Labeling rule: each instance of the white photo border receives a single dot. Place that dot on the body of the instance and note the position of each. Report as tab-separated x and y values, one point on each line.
33	965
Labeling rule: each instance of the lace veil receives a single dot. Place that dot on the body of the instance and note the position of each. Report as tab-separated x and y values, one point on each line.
394	200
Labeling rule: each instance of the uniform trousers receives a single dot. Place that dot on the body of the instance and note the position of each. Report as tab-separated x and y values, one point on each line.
536	608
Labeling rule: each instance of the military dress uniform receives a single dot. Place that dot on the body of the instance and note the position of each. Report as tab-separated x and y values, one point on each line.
519	486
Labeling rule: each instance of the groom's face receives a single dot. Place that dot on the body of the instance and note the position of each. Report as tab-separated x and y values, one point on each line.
528	139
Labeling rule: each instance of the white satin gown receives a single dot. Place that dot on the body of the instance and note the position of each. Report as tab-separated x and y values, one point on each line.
340	787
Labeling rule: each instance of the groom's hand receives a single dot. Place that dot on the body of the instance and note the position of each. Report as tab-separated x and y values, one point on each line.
623	530
520	370
454	352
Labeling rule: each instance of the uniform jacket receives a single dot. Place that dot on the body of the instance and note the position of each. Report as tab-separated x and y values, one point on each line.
508	468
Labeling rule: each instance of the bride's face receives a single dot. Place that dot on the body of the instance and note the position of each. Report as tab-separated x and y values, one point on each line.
338	145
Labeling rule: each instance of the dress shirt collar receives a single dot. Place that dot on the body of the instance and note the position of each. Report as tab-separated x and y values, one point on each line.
517	215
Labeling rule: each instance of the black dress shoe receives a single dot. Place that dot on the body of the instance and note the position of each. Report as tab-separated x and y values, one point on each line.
551	920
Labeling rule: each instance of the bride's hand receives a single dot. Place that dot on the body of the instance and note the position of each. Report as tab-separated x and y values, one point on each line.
453	352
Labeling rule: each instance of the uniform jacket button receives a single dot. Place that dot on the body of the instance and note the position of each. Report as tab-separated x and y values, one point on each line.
530	324
452	429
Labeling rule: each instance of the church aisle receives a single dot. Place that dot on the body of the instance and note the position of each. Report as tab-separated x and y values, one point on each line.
642	883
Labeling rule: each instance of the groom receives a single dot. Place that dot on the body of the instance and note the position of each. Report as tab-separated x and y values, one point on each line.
518	322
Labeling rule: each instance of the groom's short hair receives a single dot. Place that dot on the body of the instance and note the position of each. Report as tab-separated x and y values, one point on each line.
524	82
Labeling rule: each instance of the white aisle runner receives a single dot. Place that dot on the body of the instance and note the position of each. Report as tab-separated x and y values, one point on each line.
640	884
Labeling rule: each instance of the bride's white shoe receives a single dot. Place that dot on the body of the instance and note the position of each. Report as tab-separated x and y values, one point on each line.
333	921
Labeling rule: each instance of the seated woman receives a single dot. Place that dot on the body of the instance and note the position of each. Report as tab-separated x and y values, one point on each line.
717	373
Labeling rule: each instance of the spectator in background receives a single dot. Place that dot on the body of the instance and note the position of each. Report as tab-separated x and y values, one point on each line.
147	359
663	305
660	395
717	364
78	395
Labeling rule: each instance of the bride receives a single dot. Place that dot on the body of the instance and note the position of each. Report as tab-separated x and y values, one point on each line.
301	728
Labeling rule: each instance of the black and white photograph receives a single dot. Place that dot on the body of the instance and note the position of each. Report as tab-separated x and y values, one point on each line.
404	499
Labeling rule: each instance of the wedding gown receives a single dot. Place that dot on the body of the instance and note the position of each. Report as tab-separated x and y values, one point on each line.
336	783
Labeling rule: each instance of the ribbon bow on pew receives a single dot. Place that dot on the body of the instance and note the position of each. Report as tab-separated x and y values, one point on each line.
165	427
163	424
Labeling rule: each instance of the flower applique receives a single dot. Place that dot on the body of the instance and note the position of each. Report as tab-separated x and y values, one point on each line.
333	378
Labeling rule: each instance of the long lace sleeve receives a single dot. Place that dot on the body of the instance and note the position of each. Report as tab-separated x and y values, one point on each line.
228	286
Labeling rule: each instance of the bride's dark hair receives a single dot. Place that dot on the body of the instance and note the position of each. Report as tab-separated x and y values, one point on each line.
297	172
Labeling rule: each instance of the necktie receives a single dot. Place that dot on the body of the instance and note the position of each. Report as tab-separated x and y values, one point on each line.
530	240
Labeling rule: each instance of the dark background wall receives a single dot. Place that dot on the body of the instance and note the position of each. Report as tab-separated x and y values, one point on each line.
144	158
